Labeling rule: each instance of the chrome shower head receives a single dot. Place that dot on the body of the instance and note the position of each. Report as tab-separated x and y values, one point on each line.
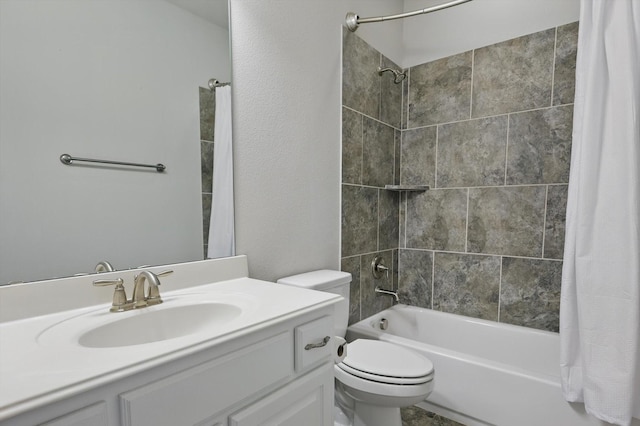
398	75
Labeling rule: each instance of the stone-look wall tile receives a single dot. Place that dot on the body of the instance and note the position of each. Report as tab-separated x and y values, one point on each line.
360	80
514	75
352	265
437	219
395	254
440	91
555	221
472	153
467	285
206	166
206	218
388	221
359	220
564	77
530	293
378	153
351	146
402	242
416	416
207	113
390	95
418	156
540	146
415	277
371	302
397	145
506	220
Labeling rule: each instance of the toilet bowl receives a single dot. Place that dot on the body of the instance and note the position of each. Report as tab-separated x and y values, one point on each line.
376	378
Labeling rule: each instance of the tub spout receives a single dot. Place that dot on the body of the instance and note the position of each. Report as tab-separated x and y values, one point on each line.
392	293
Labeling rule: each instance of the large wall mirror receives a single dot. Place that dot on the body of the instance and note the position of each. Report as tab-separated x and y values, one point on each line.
105	79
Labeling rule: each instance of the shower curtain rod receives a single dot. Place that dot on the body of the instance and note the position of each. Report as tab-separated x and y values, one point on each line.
353	20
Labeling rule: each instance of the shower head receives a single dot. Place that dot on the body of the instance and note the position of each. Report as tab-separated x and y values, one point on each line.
398	75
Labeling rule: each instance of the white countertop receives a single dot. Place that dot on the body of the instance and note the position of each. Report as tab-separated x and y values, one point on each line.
41	362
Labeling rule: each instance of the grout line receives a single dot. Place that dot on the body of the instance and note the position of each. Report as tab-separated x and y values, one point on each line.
544	220
362	146
466	230
473	60
480	118
500	288
506	150
469	254
435	172
378	223
406	215
370	117
433	276
553	69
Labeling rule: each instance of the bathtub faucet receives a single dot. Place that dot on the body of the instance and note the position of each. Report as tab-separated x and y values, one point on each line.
388	292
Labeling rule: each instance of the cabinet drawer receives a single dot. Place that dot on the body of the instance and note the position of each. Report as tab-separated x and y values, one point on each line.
93	415
201	392
311	344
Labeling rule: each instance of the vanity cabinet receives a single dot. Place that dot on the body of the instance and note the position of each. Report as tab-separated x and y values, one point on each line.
265	377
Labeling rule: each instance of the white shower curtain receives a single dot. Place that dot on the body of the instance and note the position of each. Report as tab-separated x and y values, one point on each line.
221	225
600	302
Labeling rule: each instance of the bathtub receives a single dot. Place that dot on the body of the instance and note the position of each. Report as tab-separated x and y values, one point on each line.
486	373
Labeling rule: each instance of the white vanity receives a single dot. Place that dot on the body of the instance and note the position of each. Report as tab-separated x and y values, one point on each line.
222	349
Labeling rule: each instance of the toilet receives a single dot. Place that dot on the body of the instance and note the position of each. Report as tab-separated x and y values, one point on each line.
376	378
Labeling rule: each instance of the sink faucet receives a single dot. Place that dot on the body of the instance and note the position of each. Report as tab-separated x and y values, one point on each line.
104	266
153	296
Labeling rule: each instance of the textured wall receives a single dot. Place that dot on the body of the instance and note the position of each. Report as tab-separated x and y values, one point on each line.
490	131
286	76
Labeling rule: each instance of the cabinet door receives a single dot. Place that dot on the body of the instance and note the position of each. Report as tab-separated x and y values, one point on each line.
204	391
307	401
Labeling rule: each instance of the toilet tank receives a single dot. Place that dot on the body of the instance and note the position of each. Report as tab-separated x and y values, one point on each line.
332	282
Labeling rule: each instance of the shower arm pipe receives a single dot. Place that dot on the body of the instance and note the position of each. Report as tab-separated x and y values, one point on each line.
353	20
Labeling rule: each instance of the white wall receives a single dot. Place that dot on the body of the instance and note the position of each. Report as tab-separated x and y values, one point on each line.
476	24
113	80
286	72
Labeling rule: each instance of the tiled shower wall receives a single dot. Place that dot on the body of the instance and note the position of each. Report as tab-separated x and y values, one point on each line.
371	128
207	125
490	131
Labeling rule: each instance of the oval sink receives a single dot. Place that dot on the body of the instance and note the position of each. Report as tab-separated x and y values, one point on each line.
148	326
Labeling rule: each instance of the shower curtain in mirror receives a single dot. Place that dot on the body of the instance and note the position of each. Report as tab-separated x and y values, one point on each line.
221	225
600	301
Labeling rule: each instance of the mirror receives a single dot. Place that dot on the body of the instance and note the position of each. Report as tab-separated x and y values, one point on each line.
105	79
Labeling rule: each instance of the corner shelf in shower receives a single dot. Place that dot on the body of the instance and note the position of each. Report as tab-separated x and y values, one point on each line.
407	188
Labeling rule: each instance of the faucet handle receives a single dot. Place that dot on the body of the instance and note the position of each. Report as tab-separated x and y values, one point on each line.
119	296
154	293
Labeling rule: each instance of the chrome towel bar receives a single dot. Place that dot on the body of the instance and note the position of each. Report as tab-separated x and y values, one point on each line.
68	160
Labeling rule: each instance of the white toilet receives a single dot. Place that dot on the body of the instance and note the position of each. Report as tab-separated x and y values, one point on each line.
376	378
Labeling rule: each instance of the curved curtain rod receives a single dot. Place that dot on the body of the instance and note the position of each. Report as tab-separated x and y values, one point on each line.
353	20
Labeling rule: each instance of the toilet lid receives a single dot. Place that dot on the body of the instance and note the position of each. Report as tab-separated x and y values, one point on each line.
386	362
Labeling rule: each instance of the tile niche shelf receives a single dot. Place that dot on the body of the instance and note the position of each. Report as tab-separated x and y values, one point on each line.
407	188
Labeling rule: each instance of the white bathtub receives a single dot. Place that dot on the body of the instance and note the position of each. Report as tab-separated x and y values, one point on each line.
485	372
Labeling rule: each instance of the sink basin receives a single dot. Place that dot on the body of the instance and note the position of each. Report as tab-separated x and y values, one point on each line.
187	316
153	326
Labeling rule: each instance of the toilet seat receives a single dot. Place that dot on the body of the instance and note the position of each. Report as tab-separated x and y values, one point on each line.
377	361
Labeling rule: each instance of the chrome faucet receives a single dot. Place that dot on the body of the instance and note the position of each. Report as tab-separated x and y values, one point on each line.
104	266
392	293
139	299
